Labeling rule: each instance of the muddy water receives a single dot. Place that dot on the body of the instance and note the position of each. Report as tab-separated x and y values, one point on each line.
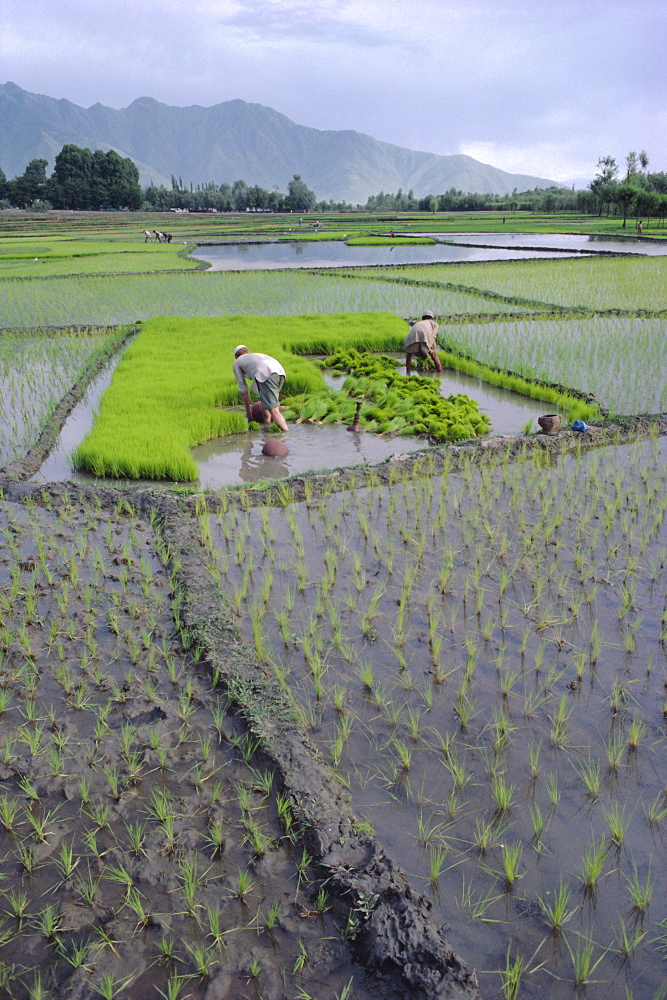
138	838
482	657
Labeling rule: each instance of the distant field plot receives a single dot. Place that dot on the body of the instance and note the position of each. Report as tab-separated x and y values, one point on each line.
620	359
35	373
123	299
44	258
589	283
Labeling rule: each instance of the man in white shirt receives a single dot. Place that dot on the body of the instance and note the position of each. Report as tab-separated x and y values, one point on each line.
267	376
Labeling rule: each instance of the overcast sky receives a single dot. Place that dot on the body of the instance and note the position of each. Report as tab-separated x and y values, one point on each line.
543	87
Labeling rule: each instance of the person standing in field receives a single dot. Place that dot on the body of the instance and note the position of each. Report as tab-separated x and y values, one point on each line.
421	341
266	376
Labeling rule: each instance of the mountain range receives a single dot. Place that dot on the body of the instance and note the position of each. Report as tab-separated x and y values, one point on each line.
235	140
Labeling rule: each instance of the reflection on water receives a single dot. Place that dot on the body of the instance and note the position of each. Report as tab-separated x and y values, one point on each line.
227	461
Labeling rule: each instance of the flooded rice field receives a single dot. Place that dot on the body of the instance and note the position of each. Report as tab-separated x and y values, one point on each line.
573	242
239	458
481	656
451	247
143	850
269	256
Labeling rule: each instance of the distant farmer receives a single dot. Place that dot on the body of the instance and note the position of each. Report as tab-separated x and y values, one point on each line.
421	341
267	376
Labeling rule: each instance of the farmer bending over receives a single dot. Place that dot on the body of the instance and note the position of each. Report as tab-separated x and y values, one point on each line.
267	376
422	341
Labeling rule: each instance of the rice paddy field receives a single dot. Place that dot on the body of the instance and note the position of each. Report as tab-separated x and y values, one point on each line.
482	657
476	651
36	370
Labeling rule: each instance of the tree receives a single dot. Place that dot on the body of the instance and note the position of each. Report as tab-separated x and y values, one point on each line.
604	181
299	196
624	195
71	178
30	186
631	165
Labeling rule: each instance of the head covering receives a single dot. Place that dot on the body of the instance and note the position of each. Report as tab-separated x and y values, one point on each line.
237	350
427	315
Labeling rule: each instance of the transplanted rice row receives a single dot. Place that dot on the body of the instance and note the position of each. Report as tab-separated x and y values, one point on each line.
482	657
139	842
36	370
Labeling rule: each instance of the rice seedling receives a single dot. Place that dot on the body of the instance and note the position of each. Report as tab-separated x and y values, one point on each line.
589	772
657	810
592	865
301	959
511	864
17	904
9	812
615	750
78	955
67	862
556	908
49	923
108	987
640	891
512	974
534	750
502	794
86	886
618	821
627	942
584	961
244	885
437	859
175	986
636	733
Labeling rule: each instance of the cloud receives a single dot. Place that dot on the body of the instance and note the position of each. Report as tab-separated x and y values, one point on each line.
535	86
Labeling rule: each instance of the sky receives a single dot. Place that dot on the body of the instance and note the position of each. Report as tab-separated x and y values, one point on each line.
541	87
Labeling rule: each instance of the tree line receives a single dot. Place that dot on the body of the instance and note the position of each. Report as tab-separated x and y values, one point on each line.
637	193
236	197
99	180
80	180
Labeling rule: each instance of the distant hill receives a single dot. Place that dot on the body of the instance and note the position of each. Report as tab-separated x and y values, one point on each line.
236	140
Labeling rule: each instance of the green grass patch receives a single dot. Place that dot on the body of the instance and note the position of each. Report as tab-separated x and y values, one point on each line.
381	241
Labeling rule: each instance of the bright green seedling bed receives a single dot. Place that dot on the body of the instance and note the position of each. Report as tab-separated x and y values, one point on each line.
391	403
170	390
381	241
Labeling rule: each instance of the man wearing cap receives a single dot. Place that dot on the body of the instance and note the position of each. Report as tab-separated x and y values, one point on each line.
267	376
422	341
